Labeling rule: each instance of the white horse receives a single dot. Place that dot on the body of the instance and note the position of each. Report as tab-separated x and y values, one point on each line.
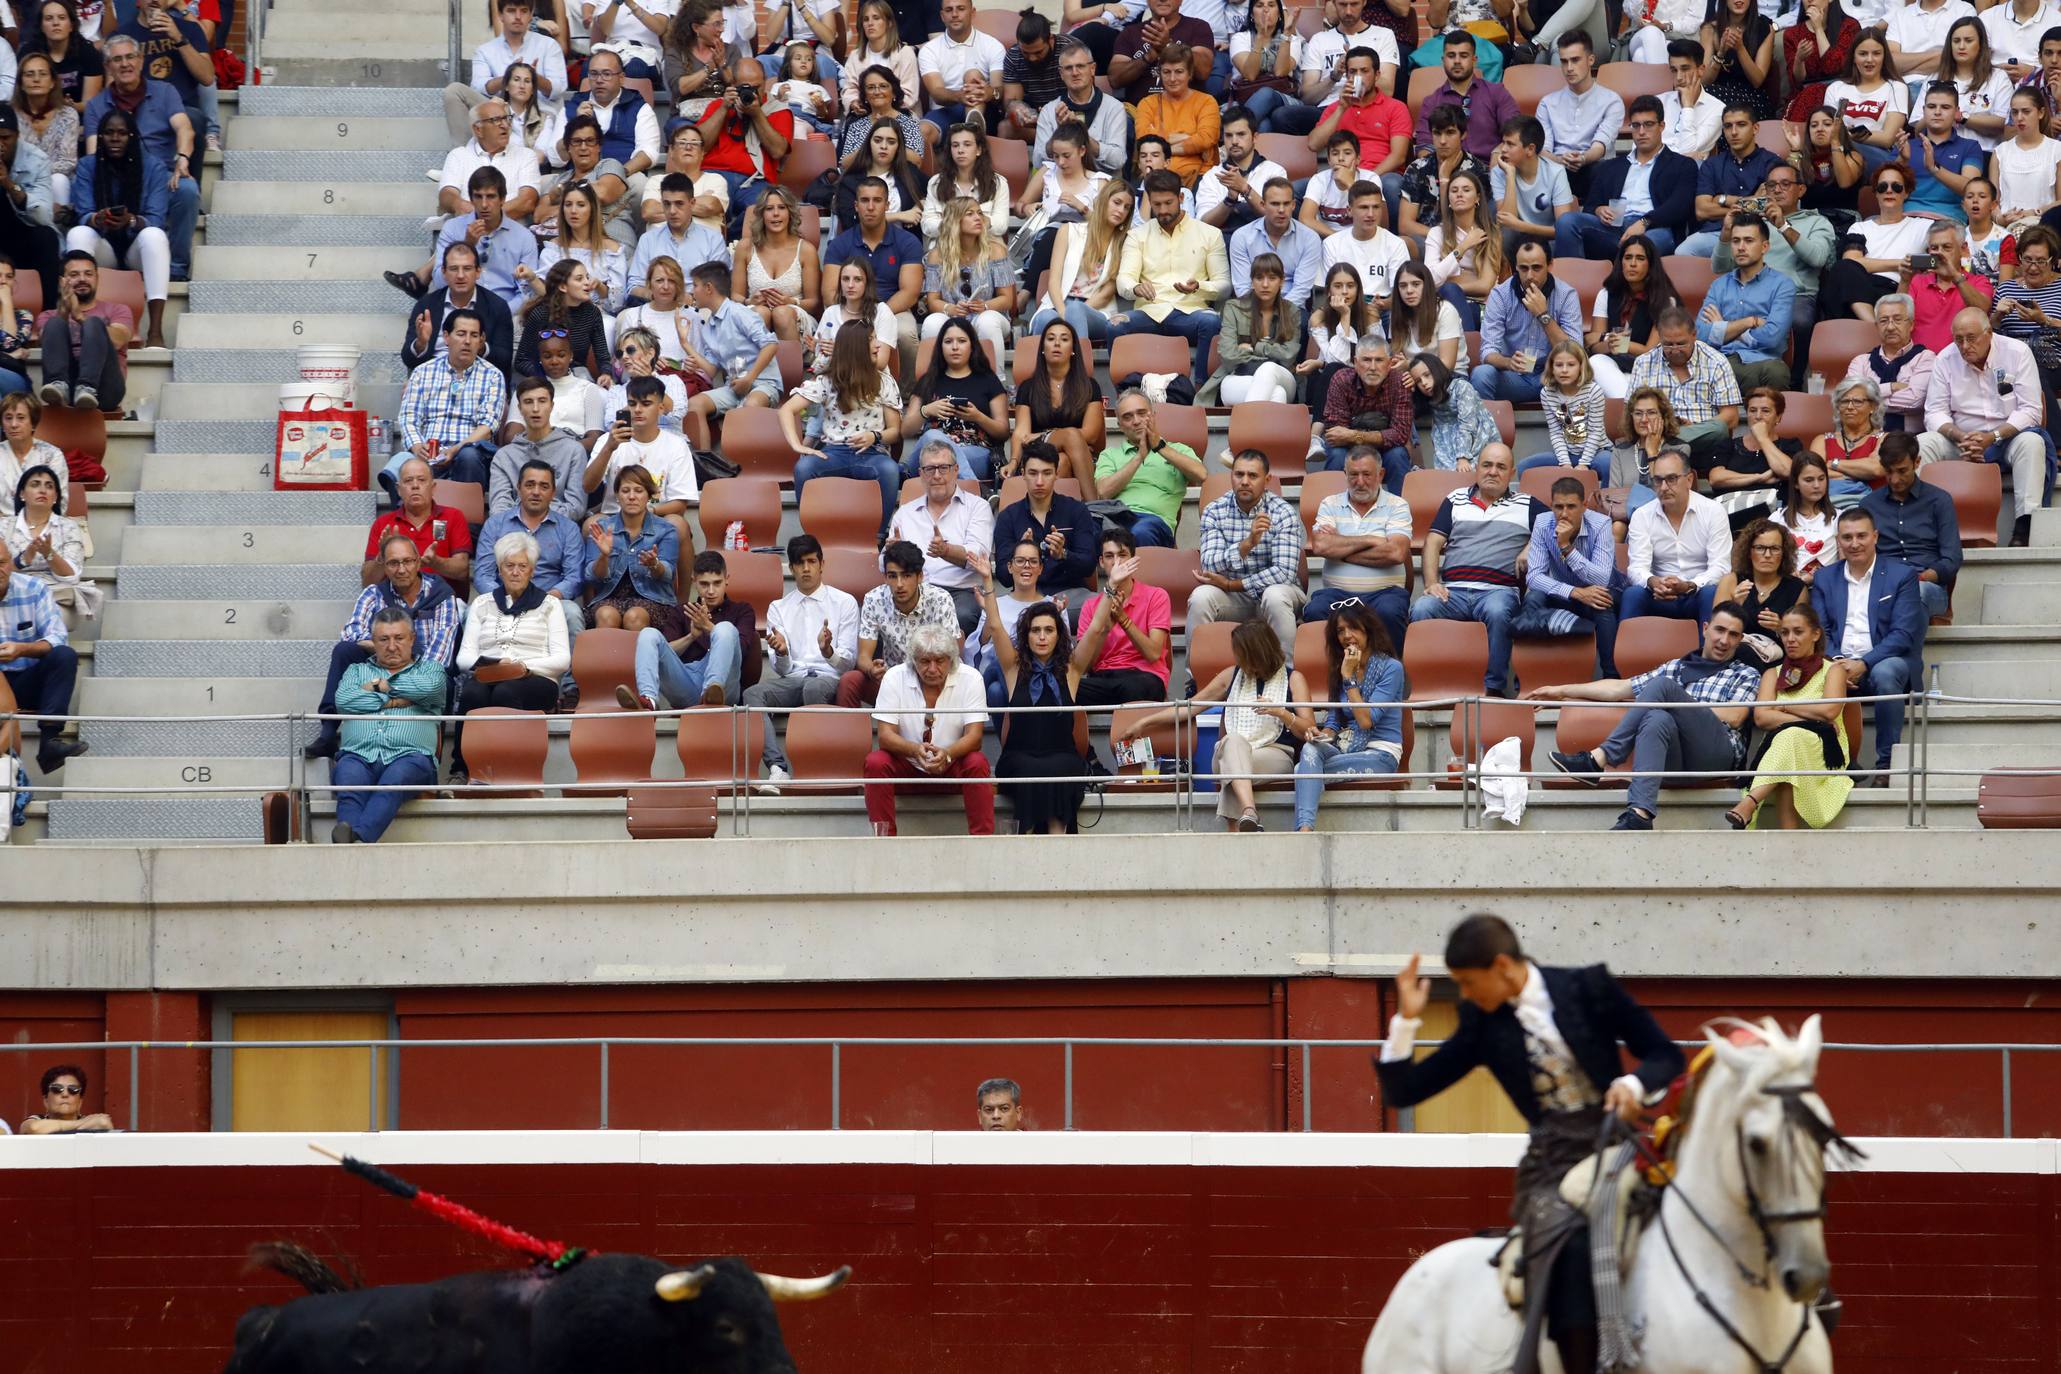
1741	1225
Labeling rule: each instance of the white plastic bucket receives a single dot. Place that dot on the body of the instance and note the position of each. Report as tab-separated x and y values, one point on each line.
333	367
306	395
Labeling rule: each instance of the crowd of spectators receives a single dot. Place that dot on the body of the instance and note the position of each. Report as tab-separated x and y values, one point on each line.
619	256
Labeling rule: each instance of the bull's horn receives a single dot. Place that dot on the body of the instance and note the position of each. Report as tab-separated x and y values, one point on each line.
805	1290
685	1285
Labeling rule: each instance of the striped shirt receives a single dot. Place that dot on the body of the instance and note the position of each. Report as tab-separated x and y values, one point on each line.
1575	423
1709	387
440	404
1390	516
1482	541
2045	340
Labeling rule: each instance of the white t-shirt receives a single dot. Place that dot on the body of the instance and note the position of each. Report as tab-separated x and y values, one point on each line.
1868	111
1334	206
795	25
884	329
1448	327
1992	98
1209	188
800	96
2025	176
2012	41
1376	258
706	184
962	701
516	163
1914	29
664	323
1241	43
1320	55
676	392
1899	240
667	458
627	27
951	61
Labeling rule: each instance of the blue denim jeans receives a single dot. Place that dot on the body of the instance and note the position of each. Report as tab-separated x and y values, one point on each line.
1537	605
1494	607
974	460
1889	676
1092	325
662	677
842	460
1638	601
1583	235
368	814
1318	759
1501	384
469	463
1469	312
1281	113
1149	530
1598	462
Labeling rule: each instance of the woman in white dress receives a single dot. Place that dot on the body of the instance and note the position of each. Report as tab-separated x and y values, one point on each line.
665	314
781	279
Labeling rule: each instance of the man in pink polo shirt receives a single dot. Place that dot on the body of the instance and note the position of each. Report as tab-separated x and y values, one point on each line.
1126	631
1377	119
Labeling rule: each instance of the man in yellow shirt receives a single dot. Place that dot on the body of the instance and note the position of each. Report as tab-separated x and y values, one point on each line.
1176	269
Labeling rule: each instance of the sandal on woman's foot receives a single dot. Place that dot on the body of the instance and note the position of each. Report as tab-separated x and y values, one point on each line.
1249	823
1738	819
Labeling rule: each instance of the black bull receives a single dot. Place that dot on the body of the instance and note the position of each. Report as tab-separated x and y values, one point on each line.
623	1314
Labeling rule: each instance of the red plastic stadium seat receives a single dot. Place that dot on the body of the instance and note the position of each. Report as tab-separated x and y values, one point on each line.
1173	572
756	579
1631	80
602	661
1279	429
1505	414
1529	83
1209	650
1168	743
1835	344
1552	660
1426	489
1978	492
1474	731
828	744
719	746
1692	278
1582	728
469	499
853	570
842	512
752	439
1584	276
1804	416
1149	353
1315	488
1290	152
507	747
612	747
2018	799
1646	641
1539	482
1445	658
754	500
807	159
1187	425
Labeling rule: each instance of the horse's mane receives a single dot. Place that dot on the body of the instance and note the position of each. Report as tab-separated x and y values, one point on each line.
1765	1035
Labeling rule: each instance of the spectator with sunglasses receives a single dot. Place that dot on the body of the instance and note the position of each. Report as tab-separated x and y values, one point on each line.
1875	251
64	1105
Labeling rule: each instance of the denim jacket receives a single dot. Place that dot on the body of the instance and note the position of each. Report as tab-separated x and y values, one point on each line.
658	535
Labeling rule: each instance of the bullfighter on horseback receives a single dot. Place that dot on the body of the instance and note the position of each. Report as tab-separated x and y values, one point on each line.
1550	1037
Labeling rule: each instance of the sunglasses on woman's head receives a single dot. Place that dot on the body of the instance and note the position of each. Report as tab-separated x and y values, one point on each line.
556	334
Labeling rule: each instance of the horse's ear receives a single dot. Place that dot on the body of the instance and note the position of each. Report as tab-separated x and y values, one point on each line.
1810	1040
1729	1054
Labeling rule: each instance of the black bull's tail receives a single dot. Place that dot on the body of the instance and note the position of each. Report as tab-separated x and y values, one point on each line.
303	1266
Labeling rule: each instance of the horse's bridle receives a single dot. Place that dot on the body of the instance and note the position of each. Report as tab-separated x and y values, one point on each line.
1799	1117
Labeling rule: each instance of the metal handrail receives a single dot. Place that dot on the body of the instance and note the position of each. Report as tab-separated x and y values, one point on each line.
453	71
1182	783
838	1044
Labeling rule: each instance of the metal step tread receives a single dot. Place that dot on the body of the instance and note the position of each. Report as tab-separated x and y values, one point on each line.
133	818
224	508
400	102
370	296
271	231
278	365
249	582
190	658
290	165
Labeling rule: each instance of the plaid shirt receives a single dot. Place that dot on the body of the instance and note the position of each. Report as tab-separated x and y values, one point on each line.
1709	388
441	405
1348	396
1713	684
1275	560
436	634
31	615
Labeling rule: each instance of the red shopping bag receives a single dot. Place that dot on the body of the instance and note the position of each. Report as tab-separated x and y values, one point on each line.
321	450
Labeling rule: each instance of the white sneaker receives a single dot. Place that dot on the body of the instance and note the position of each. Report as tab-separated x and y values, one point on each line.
774	778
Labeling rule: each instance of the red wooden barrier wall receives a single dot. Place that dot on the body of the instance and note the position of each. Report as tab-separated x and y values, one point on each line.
1039	1270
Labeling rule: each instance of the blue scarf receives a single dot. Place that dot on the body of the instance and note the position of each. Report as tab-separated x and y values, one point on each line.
1044	681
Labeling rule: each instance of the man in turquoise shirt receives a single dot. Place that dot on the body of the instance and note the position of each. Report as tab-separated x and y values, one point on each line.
392	742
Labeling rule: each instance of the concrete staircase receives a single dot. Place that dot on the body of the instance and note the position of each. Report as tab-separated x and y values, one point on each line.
227	594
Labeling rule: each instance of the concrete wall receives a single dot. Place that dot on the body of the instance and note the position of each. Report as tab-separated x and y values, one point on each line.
1861	904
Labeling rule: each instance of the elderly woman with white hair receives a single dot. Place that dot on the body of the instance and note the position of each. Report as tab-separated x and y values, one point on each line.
1900	367
1852	451
515	646
931	712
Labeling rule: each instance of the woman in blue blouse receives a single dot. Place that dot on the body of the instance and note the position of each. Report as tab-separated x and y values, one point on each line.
1356	738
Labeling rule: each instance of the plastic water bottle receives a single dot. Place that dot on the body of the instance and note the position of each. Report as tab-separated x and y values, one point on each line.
375	433
734	537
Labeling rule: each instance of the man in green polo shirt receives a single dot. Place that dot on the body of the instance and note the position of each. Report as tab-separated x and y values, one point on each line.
1150	475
